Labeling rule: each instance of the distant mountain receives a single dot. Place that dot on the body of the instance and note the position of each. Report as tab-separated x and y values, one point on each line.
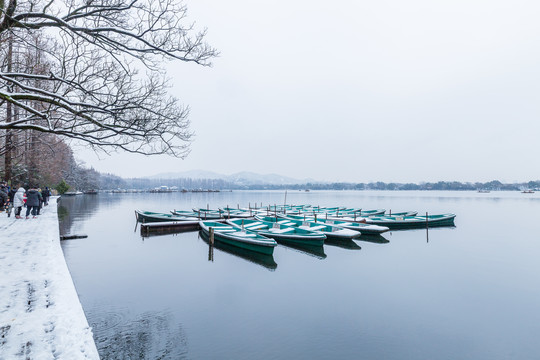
250	178
193	174
241	178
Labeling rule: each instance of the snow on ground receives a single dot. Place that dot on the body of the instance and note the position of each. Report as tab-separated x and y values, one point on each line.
40	313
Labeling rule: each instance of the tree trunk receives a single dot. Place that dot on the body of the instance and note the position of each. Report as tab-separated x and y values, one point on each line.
9	116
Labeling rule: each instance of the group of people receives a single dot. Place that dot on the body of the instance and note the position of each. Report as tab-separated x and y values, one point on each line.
17	197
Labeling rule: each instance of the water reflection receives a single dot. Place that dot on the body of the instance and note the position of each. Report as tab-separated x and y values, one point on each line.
413	313
376	239
264	260
158	231
345	244
147	337
71	208
315	251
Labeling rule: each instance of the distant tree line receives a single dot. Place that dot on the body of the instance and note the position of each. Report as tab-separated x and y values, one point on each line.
441	185
109	181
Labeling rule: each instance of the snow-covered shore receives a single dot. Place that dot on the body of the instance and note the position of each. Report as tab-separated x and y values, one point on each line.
40	313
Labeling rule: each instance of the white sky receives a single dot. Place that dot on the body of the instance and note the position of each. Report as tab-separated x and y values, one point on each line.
403	91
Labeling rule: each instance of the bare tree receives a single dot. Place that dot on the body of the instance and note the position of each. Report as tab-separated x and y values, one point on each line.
100	77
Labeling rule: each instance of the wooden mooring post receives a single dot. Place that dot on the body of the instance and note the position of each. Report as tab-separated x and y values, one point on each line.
210	253
427	228
211	231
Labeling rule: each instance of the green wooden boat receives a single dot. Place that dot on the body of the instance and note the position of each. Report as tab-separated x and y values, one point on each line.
363	228
351	212
265	260
403	213
185	213
208	214
244	239
331	231
230	213
342	212
281	232
149	216
412	222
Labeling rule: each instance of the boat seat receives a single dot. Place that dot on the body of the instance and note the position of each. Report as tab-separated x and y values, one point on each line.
255	227
313	228
281	231
222	229
244	234
286	222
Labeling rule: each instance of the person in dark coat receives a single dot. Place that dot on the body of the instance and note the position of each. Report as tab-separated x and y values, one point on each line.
11	196
32	202
3	196
41	200
46	195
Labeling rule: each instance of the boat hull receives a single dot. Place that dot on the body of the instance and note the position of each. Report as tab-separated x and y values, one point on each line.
413	222
148	217
243	243
254	257
367	229
295	239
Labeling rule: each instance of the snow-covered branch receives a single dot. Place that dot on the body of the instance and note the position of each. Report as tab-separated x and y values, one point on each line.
92	70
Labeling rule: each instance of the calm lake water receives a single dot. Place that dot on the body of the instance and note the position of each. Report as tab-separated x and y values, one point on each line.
469	292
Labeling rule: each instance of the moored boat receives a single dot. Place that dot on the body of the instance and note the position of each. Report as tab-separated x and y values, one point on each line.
185	213
359	212
229	213
402	213
265	260
363	228
207	214
234	236
281	232
331	231
411	222
149	216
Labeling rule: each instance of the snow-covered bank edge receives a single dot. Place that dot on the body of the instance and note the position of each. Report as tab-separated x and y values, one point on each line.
41	316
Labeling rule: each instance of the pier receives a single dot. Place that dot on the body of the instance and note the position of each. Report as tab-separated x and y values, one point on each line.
40	313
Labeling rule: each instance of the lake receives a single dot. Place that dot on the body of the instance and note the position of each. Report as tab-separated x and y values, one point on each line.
466	292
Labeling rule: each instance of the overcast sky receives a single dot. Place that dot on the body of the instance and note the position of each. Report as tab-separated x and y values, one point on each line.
358	91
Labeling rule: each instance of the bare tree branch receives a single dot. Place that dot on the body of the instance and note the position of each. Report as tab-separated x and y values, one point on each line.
94	71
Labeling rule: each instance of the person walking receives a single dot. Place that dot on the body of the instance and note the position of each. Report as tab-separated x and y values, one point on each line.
40	199
18	201
11	195
3	196
46	195
32	202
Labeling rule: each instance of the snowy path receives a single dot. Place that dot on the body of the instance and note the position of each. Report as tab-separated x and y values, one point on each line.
40	313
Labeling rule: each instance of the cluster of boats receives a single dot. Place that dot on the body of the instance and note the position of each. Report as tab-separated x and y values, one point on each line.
260	229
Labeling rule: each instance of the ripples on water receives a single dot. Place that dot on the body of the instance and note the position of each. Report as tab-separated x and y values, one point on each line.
151	335
469	292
